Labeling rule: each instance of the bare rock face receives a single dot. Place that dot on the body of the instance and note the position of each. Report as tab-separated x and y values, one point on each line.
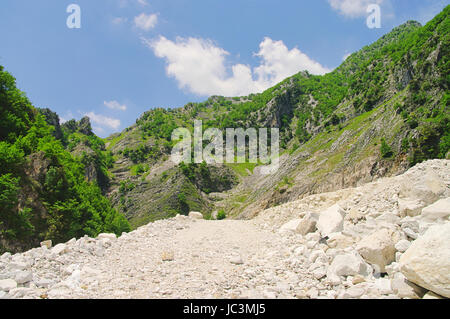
378	248
331	220
427	262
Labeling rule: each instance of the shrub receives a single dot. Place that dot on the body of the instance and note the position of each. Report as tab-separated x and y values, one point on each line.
221	215
386	150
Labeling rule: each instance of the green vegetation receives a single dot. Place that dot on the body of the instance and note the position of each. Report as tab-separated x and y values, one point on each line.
221	215
207	178
385	149
56	201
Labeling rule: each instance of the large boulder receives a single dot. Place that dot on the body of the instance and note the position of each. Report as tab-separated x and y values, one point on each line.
426	187
427	262
378	249
301	226
340	241
348	264
331	220
410	207
440	210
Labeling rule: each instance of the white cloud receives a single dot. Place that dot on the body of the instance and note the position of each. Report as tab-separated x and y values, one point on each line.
126	3
114	105
103	121
143	2
146	22
200	66
346	56
353	8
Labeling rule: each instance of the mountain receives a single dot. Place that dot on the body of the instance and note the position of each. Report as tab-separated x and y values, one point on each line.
382	111
45	191
385	109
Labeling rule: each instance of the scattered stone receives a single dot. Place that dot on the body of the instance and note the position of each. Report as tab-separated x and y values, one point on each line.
43	283
7	285
410	233
339	241
46	243
23	277
427	262
307	225
331	220
60	249
18	265
236	260
111	237
354	292
406	289
348	264
378	249
301	226
437	211
167	256
382	286
402	245
196	215
408	207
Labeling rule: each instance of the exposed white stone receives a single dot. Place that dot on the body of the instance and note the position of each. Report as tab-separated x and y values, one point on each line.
46	243
348	264
440	210
427	262
354	292
60	249
402	245
339	241
331	220
405	289
291	226
196	215
111	237
7	284
23	277
410	207
236	260
378	249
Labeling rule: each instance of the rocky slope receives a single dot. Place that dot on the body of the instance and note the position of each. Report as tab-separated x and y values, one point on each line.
382	111
385	239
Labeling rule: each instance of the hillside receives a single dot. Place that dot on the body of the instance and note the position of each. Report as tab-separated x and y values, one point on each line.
45	191
382	111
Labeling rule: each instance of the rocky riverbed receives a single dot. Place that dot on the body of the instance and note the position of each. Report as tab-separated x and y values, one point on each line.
387	239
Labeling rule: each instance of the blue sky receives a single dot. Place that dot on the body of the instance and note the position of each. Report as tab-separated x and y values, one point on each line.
133	55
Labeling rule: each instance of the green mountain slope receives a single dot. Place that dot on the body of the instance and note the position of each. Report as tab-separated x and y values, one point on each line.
383	110
44	193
